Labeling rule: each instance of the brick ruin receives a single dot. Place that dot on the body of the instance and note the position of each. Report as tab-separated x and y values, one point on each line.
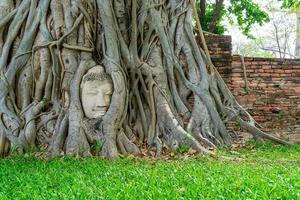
274	95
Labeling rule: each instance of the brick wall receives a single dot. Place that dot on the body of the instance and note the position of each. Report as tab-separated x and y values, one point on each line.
274	98
274	87
220	48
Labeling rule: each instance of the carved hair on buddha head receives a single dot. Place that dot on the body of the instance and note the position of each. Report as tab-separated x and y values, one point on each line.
96	92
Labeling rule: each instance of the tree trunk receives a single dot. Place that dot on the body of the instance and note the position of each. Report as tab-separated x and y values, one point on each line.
202	9
87	77
217	12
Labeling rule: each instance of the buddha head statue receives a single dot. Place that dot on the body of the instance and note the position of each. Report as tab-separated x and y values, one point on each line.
96	91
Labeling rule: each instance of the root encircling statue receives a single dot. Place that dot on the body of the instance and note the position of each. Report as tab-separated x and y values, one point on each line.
98	77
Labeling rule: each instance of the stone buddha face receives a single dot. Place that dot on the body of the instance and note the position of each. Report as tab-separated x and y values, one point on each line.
96	91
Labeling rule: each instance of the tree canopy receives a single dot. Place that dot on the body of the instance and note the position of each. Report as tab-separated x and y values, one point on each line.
290	3
245	13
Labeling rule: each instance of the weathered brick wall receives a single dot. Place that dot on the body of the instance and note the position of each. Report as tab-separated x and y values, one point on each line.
220	48
274	98
274	87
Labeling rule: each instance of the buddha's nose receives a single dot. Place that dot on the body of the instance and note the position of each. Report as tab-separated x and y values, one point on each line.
100	101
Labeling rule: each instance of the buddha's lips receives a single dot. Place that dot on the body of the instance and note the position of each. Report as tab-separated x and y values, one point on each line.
101	111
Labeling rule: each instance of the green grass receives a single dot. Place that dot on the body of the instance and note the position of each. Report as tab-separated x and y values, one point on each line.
265	172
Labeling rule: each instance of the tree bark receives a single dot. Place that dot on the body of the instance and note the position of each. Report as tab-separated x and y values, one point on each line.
202	9
217	12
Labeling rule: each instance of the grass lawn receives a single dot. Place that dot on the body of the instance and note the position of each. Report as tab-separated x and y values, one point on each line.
265	172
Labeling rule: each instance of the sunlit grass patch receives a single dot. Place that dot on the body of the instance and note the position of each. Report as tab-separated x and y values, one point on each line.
264	172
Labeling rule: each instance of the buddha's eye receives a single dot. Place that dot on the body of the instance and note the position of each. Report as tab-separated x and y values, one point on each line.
92	92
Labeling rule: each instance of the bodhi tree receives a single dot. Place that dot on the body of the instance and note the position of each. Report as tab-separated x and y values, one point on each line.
87	77
245	13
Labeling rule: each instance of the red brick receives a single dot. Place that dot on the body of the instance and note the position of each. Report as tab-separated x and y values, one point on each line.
276	79
269	70
265	75
290	71
236	63
260	71
266	67
275	75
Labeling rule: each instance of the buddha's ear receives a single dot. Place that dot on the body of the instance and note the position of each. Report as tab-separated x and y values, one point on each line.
82	81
